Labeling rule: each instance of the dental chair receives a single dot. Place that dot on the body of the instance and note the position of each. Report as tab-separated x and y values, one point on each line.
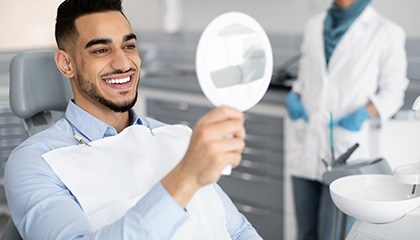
39	95
38	92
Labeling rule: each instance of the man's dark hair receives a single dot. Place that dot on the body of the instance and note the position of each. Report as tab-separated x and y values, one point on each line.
70	10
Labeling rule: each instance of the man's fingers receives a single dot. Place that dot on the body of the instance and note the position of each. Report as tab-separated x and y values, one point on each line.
226	129
221	114
233	159
230	145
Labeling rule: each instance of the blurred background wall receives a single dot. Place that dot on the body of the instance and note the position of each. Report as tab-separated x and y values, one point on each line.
27	24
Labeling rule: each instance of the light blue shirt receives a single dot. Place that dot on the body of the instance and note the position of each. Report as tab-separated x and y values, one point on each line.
43	208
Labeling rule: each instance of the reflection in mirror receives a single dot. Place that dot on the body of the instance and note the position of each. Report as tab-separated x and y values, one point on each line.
234	61
235	56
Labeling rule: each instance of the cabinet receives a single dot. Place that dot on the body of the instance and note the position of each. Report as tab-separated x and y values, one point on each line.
257	185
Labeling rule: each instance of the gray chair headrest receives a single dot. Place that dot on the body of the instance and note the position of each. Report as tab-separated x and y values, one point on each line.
36	85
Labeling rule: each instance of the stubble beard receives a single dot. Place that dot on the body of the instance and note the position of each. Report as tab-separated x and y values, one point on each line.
90	90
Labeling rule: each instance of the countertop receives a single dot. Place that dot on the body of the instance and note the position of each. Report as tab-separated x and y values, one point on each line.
188	82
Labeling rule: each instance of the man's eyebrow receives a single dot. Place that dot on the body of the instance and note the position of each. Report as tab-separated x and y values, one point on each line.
129	37
98	41
108	41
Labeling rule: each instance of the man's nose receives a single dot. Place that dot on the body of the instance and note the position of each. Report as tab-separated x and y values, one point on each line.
120	61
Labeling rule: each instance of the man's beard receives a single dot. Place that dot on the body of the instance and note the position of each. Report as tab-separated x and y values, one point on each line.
91	91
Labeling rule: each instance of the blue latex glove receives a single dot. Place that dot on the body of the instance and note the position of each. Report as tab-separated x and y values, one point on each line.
353	121
295	107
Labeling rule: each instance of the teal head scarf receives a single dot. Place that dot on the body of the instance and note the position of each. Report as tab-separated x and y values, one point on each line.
338	21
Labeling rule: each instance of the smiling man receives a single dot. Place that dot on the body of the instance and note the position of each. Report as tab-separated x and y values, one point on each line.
103	62
176	198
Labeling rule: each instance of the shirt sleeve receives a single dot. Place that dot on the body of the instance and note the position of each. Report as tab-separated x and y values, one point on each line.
238	226
43	208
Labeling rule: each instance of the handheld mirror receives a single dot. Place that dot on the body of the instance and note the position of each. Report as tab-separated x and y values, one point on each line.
234	62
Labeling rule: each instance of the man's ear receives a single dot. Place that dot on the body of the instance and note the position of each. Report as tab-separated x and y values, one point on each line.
64	63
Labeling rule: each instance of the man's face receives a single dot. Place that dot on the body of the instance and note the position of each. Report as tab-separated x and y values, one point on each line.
107	64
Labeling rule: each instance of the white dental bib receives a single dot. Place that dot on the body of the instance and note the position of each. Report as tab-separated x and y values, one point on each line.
110	176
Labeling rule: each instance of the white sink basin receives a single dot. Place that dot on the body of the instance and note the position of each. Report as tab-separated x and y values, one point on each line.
374	198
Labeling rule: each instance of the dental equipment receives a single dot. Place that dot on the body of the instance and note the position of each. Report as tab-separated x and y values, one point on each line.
415	108
327	166
250	69
332	138
385	207
343	158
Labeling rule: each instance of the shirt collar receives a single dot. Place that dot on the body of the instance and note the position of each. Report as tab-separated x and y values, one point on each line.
91	127
135	119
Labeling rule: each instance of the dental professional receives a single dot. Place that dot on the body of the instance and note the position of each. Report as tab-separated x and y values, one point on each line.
97	51
352	72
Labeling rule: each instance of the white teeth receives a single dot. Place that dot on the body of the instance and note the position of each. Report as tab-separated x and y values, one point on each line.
118	81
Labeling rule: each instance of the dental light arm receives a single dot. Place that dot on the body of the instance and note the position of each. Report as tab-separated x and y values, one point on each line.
251	69
416	104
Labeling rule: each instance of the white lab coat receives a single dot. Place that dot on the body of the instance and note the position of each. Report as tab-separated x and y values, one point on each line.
368	64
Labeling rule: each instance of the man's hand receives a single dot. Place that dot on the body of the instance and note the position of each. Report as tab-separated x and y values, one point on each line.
217	141
295	107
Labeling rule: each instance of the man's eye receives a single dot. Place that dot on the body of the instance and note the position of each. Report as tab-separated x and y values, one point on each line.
130	46
99	51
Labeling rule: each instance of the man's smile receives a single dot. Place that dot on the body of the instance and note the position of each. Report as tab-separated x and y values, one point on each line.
118	81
